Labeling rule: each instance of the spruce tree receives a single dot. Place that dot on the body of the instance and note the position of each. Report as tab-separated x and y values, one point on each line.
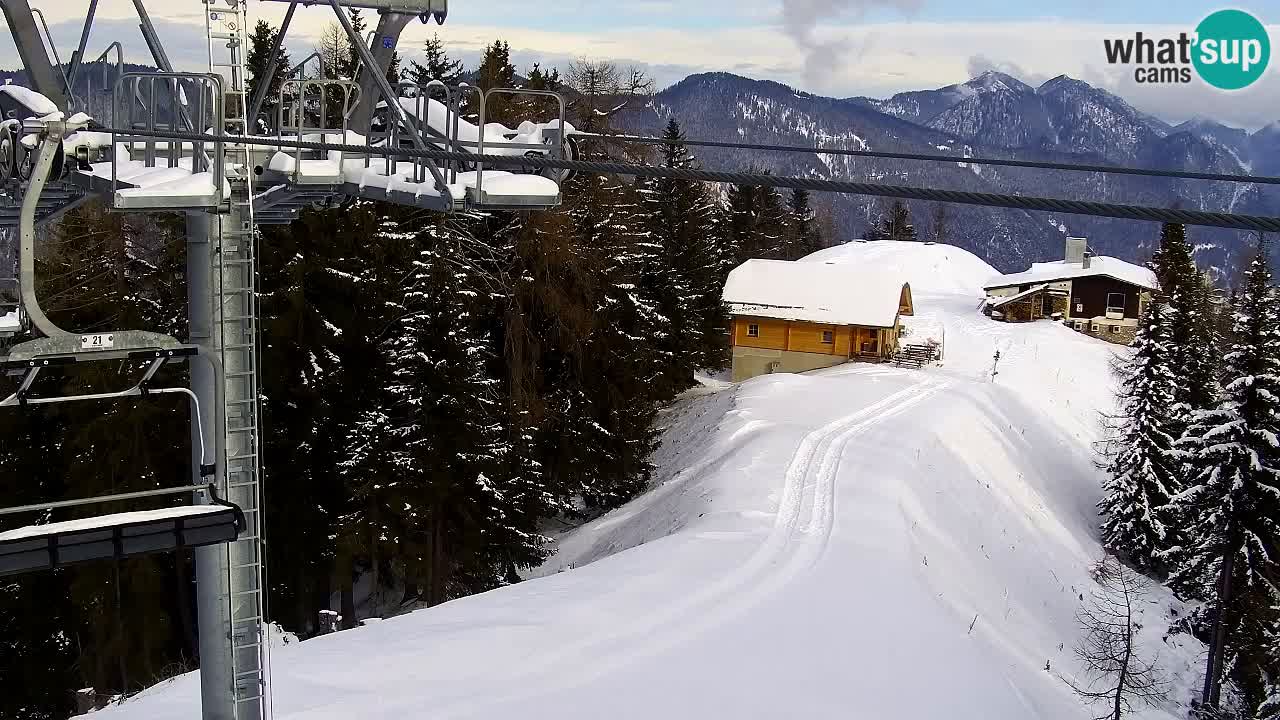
894	225
436	64
802	235
351	59
940	232
1143	474
1172	261
260	43
1231	504
1191	322
686	281
496	71
740	224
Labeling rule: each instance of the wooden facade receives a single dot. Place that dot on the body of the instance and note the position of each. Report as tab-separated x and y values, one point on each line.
793	317
845	341
1092	296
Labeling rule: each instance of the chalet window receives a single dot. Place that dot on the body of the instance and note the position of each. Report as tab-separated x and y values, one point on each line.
1115	303
1093	328
753	330
1079	307
1079	326
1115	329
828	337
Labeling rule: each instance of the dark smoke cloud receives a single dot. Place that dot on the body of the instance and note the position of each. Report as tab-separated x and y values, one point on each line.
802	20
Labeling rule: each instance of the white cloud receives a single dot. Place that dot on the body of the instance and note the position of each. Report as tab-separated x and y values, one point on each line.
877	59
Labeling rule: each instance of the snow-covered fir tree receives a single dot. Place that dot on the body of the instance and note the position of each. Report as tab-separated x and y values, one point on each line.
756	221
1144	470
1191	322
1230	507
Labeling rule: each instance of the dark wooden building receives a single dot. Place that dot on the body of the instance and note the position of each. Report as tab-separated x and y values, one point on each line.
1099	296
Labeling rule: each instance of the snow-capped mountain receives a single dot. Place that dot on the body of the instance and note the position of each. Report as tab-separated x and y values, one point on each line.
1265	147
994	114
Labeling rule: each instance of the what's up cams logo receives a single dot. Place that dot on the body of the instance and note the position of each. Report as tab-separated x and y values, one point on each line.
1229	50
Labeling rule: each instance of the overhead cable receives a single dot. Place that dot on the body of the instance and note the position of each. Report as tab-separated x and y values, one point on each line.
1036	164
1235	221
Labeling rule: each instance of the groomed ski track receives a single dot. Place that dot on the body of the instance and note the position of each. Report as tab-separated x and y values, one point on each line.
862	542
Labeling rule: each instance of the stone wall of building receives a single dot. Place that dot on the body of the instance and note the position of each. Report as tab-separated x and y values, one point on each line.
1111	332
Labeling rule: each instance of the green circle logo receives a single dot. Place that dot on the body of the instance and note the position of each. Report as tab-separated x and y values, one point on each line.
1231	49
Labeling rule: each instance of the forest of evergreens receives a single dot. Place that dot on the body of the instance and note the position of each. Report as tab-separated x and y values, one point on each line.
438	391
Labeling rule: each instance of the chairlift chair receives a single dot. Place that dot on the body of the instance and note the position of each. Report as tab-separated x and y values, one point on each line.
116	535
45	546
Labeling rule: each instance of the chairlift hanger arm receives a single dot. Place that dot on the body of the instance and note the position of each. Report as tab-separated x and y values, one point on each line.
159	358
386	37
50	145
31	50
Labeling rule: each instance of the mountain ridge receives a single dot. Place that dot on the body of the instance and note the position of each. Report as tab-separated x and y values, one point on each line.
1064	119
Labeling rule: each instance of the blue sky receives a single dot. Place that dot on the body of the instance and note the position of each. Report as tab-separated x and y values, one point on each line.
835	47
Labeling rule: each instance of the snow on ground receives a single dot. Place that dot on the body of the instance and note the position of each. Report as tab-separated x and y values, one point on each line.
859	542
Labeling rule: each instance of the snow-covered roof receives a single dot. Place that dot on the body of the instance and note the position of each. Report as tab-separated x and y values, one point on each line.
1011	298
820	292
1063	270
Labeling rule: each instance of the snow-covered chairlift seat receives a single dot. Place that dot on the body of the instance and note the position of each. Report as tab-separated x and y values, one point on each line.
118	535
145	173
443	127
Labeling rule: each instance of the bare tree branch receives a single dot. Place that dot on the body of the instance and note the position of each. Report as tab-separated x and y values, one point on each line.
1114	670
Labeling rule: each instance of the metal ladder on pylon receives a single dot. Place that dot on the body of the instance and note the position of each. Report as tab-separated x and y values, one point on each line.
236	334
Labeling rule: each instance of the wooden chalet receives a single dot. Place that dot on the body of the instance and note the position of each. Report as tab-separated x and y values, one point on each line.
1096	295
798	316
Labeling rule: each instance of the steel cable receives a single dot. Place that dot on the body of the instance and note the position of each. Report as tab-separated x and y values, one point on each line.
1257	223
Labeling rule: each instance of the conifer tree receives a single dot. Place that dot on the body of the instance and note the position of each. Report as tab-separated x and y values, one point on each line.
1143	474
436	64
940	231
260	43
351	58
894	225
1232	500
756	223
539	79
496	71
1190	322
686	281
740	224
802	234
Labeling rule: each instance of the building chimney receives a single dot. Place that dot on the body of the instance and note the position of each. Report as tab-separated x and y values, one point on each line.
1086	259
1076	247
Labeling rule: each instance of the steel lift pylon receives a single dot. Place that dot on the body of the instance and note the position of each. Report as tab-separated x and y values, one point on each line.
225	184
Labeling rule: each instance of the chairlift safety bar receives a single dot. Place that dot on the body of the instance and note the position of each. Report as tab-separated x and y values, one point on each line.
180	490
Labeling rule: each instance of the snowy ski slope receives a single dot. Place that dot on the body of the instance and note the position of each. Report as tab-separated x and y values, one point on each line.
859	542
